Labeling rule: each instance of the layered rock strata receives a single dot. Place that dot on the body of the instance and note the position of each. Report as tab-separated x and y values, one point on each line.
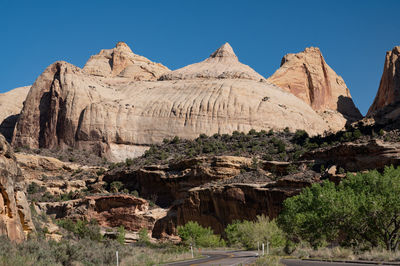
15	215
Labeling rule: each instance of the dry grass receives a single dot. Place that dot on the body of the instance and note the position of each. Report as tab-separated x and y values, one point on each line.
339	253
148	256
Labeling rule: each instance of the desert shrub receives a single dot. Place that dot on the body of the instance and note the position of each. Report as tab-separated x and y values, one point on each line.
248	234
81	228
357	134
121	234
195	234
35	188
144	236
128	161
115	186
100	171
363	211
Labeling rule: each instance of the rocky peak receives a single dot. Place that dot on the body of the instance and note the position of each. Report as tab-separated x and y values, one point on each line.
309	77
222	64
122	62
224	51
123	46
389	87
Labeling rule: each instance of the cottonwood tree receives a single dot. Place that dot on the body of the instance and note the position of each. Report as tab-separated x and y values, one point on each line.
363	211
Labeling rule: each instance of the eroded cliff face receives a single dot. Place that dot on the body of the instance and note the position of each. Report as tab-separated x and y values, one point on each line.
388	94
109	211
119	117
309	77
211	191
15	215
11	104
375	154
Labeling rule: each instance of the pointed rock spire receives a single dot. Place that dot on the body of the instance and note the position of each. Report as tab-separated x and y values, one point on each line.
224	51
222	64
389	88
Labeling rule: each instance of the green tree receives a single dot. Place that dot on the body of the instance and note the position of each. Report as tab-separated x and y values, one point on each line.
363	210
248	233
121	235
144	236
195	234
116	186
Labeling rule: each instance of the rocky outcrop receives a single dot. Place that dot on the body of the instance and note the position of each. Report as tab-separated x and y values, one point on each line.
222	64
119	118
216	206
168	183
15	216
11	104
109	211
388	94
375	154
308	76
122	62
204	189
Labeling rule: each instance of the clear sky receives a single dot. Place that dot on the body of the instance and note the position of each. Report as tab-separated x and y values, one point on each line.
352	35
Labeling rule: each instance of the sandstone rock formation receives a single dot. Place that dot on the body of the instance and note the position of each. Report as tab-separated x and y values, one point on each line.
11	104
122	62
119	117
222	64
109	211
218	206
208	190
388	94
15	216
375	154
177	179
308	76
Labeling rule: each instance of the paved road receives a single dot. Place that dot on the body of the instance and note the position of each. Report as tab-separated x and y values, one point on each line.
222	258
290	262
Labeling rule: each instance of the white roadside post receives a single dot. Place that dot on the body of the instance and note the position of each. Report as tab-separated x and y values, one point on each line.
191	249
263	249
116	253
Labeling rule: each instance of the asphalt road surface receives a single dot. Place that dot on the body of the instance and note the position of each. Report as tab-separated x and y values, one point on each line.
289	262
221	258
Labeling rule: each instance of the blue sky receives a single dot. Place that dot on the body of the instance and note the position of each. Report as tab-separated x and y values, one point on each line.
352	35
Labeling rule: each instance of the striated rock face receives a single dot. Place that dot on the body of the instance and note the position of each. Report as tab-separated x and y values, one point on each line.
110	211
11	104
217	206
358	156
308	76
172	182
122	62
15	215
389	87
119	118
